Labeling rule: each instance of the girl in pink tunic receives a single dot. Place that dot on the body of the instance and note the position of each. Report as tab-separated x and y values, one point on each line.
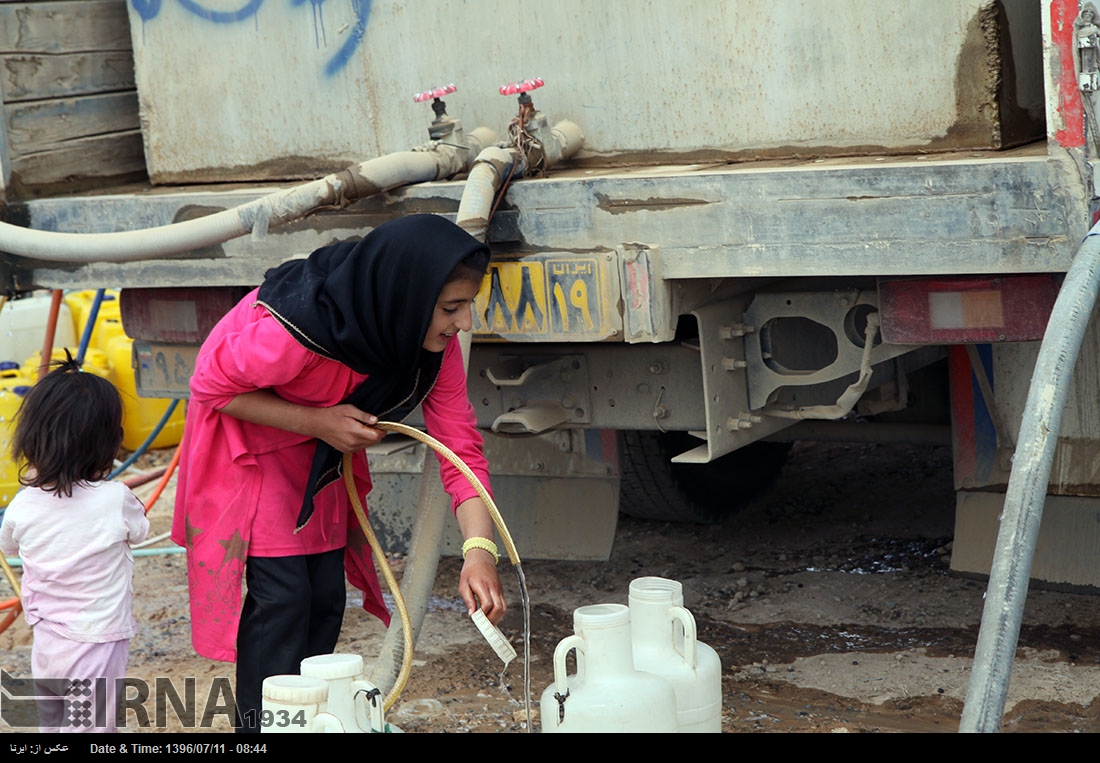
293	377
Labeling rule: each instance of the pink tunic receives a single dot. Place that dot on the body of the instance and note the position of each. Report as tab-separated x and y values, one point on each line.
240	484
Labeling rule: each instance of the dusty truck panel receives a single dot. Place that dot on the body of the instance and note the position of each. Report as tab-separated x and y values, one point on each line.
990	213
554	493
291	89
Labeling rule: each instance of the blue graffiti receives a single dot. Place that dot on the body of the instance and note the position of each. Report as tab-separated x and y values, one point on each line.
149	9
319	37
362	15
223	17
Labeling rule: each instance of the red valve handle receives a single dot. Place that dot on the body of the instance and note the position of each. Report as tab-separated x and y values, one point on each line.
437	92
521	87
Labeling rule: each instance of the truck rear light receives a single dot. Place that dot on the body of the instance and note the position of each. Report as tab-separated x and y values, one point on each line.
967	310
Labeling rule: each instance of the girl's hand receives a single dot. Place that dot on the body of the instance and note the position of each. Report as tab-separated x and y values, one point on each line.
347	428
480	585
344	427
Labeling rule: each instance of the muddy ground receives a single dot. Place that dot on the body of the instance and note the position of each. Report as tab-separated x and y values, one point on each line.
828	599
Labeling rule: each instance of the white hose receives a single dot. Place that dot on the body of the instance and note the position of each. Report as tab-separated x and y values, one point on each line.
436	161
1010	571
490	169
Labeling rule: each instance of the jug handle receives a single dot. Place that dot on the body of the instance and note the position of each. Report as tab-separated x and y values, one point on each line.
375	720
687	620
326	723
564	647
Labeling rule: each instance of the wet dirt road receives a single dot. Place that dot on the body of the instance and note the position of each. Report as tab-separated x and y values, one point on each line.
828	599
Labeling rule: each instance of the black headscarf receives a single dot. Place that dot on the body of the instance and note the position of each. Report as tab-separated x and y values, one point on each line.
369	304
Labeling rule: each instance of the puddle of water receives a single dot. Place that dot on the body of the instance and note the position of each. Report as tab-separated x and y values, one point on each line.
882	555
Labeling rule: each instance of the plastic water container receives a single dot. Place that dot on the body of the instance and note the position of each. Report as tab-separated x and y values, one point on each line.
355	702
140	415
606	695
23	327
12	388
663	637
349	696
95	361
296	705
80	305
106	330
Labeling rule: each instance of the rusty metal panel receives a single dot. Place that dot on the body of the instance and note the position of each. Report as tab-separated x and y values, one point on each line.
982	449
649	301
293	88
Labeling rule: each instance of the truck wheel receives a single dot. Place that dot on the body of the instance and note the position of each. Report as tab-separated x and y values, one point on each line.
655	488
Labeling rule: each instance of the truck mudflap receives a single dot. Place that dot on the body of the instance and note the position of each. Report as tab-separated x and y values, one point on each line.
558	492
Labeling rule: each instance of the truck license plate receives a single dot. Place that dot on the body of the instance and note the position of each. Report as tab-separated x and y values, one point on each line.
164	370
549	297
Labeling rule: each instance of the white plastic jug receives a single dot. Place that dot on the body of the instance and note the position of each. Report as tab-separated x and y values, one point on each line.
355	702
663	636
23	326
296	705
607	694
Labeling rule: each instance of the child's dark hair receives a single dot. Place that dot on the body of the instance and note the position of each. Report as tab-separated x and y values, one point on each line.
68	429
472	267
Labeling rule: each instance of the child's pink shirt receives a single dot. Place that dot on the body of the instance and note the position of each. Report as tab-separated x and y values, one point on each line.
77	563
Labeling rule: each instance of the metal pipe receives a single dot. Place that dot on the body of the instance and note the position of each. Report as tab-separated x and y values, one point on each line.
435	161
1027	487
490	170
51	328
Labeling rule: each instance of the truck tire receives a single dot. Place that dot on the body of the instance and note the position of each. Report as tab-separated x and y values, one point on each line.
654	488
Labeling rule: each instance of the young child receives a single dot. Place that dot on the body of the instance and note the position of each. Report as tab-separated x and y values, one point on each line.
72	530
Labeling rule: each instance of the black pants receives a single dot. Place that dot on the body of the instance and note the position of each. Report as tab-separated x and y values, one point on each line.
294	609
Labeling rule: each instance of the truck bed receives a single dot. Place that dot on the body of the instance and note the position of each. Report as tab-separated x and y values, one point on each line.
972	212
